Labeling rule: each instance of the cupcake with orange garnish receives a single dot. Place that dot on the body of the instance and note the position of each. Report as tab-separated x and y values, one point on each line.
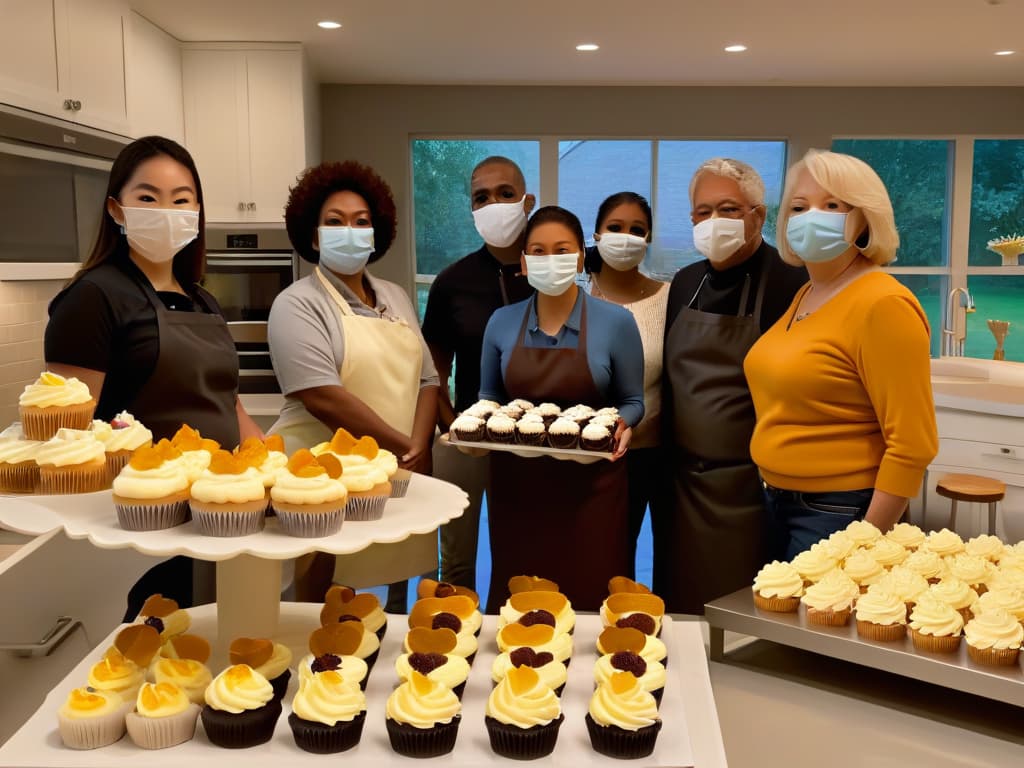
196	450
151	491
228	498
367	483
266	456
308	495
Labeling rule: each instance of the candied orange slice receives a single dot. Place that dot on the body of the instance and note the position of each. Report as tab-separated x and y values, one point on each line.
208	445
615	639
426	640
181	667
146	457
138	642
421	684
635	602
522	679
252	651
531	584
366	447
224	463
622	682
274	443
191	647
304	464
625	584
155	695
253	451
159	606
519	635
432	588
238	675
330	463
343	441
187	439
342	601
331	677
540	600
341	639
84	700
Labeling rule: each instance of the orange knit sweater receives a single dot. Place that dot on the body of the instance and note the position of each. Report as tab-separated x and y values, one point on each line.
843	397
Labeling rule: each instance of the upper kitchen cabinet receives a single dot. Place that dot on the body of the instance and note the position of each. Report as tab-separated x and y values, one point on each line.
65	58
153	81
246	108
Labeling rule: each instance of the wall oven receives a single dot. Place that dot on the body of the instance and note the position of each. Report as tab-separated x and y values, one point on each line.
245	270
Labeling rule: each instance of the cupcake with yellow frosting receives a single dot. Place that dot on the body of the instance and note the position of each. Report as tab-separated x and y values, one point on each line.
994	638
332	649
928	563
839	545
944	543
863	533
830	600
196	451
151	492
652	676
650	648
19	472
935	626
538	607
120	437
267	659
643	611
308	495
328	713
191	675
622	718
881	616
165	616
89	719
888	553
423	717
812	564
228	499
957	594
552	672
972	570
778	588
364	477
523	716
266	456
430	654
115	673
906	584
72	461
862	567
989	547
53	402
907	535
164	716
539	637
241	710
1007	598
1007	578
344	603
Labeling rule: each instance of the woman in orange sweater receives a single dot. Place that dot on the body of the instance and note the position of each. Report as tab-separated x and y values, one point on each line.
841	383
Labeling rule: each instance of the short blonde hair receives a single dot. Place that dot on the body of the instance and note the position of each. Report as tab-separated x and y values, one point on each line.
750	181
854	182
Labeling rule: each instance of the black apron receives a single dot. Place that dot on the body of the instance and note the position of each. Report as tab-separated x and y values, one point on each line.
709	536
558	519
195	379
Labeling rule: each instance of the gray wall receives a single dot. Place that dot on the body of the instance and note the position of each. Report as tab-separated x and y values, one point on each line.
373	123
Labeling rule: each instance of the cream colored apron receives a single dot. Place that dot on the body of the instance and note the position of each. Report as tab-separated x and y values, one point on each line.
381	366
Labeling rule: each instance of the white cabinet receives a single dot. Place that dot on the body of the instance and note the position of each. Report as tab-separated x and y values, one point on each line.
244	125
153	81
65	58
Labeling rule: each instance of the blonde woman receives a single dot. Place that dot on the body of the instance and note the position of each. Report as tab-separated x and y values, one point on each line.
841	385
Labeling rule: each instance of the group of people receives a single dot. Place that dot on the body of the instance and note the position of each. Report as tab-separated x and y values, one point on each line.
766	397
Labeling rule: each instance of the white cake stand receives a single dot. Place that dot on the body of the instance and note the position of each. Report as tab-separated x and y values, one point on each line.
248	567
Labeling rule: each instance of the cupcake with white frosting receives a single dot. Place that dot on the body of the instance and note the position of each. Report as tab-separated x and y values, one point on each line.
994	638
53	402
935	626
151	491
163	717
241	710
830	600
881	616
228	499
72	461
328	713
120	437
19	472
778	588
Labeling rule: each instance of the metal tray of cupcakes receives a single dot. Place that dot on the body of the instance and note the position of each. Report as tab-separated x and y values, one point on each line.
737	613
578	455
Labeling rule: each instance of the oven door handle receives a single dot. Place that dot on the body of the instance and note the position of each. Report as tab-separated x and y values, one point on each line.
215	262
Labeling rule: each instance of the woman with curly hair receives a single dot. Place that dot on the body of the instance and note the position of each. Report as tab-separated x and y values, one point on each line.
345	345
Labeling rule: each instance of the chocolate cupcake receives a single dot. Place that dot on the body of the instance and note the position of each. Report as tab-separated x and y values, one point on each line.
248	727
548	411
501	429
468	428
596	437
531	432
563	433
523	716
623	718
422	718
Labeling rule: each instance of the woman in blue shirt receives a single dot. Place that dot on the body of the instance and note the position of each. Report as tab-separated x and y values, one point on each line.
559	519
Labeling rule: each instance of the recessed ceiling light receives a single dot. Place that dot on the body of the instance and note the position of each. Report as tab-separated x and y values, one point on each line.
328	24
1005	53
587	47
735	48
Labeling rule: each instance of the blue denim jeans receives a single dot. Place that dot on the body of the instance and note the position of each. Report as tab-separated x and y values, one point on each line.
799	519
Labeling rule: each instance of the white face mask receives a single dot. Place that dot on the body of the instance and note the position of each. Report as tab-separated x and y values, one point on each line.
500	224
552	274
718	239
621	250
158	234
345	250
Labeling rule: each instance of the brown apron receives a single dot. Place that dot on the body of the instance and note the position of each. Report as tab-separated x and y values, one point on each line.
709	534
557	519
195	379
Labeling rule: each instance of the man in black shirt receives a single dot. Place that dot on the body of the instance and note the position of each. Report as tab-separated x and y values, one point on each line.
461	301
709	542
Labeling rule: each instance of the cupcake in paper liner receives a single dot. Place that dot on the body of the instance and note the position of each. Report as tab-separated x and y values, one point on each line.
935	626
622	719
72	461
830	601
53	402
564	434
501	429
229	498
422	718
881	616
400	483
328	713
467	428
121	436
531	432
778	588
309	496
90	719
19	472
151	492
596	437
651	675
163	717
523	716
268	660
241	710
994	638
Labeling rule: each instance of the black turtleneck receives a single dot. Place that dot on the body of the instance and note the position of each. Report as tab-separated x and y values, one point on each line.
720	293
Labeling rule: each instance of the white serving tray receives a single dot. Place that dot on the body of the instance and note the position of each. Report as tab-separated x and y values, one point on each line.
527	451
687	709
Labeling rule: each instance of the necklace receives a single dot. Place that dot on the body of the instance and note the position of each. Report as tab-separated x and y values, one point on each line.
603	295
829	289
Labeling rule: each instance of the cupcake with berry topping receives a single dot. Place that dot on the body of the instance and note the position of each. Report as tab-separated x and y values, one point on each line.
639	610
614	639
333	648
540	637
523	716
343	603
622	718
308	495
151	492
241	709
552	672
422	717
268	659
431	654
163	717
89	719
328	713
538	607
228	499
456	613
432	588
53	402
651	675
164	615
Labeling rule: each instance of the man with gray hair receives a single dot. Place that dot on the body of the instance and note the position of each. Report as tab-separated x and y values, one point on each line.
710	540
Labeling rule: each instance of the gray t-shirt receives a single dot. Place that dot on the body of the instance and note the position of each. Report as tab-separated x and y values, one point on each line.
307	345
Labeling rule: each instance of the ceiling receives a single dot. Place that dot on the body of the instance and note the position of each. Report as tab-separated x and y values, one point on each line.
646	42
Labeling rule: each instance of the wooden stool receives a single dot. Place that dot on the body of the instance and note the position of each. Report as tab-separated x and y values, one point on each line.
975	489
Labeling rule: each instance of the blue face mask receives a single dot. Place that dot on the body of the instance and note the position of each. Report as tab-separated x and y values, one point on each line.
817	236
345	250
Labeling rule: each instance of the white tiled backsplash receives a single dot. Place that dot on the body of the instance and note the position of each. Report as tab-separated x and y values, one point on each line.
22	324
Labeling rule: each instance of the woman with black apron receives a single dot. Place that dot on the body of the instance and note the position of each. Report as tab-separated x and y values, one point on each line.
137	328
559	519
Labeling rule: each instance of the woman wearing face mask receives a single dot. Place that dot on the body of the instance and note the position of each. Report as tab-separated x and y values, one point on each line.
563	520
346	346
137	328
622	233
841	383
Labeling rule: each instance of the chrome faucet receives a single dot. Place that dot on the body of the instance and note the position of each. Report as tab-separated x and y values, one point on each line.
953	345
